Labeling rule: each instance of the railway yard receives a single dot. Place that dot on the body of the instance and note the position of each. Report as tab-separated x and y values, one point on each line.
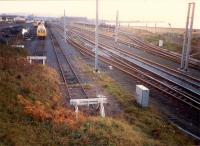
162	78
174	94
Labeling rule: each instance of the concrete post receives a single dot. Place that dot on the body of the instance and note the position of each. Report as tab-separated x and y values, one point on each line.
116	26
76	110
64	27
187	37
96	36
102	111
43	62
185	40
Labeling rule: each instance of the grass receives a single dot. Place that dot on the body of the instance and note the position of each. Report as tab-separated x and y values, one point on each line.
32	112
85	86
172	47
167	44
35	83
146	121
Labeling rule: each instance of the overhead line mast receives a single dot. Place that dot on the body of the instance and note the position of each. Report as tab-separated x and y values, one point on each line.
117	26
187	37
64	23
97	36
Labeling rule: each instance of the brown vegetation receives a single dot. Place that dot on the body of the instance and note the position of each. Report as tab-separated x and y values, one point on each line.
31	112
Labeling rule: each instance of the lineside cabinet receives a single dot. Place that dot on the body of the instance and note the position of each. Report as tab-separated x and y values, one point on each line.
142	95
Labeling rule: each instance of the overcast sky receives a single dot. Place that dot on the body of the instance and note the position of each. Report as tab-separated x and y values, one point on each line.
173	11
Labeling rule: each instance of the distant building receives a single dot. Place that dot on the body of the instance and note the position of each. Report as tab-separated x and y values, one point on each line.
19	19
1	19
10	19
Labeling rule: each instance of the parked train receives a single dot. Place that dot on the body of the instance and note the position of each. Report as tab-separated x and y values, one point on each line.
36	23
41	31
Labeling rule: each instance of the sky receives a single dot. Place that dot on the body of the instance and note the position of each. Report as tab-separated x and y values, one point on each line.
168	11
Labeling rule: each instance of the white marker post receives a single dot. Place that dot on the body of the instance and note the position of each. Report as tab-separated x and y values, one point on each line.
43	58
89	101
102	110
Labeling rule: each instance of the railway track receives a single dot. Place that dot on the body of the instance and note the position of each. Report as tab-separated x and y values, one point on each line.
192	83
195	82
70	79
168	87
184	83
132	41
40	48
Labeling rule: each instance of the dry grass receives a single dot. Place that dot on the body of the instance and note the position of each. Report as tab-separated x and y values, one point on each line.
31	112
56	114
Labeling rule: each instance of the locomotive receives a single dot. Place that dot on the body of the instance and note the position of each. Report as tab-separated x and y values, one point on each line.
41	31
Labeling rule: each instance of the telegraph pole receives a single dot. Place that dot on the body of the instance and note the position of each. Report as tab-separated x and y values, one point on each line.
171	30
96	36
64	27
187	37
116	26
